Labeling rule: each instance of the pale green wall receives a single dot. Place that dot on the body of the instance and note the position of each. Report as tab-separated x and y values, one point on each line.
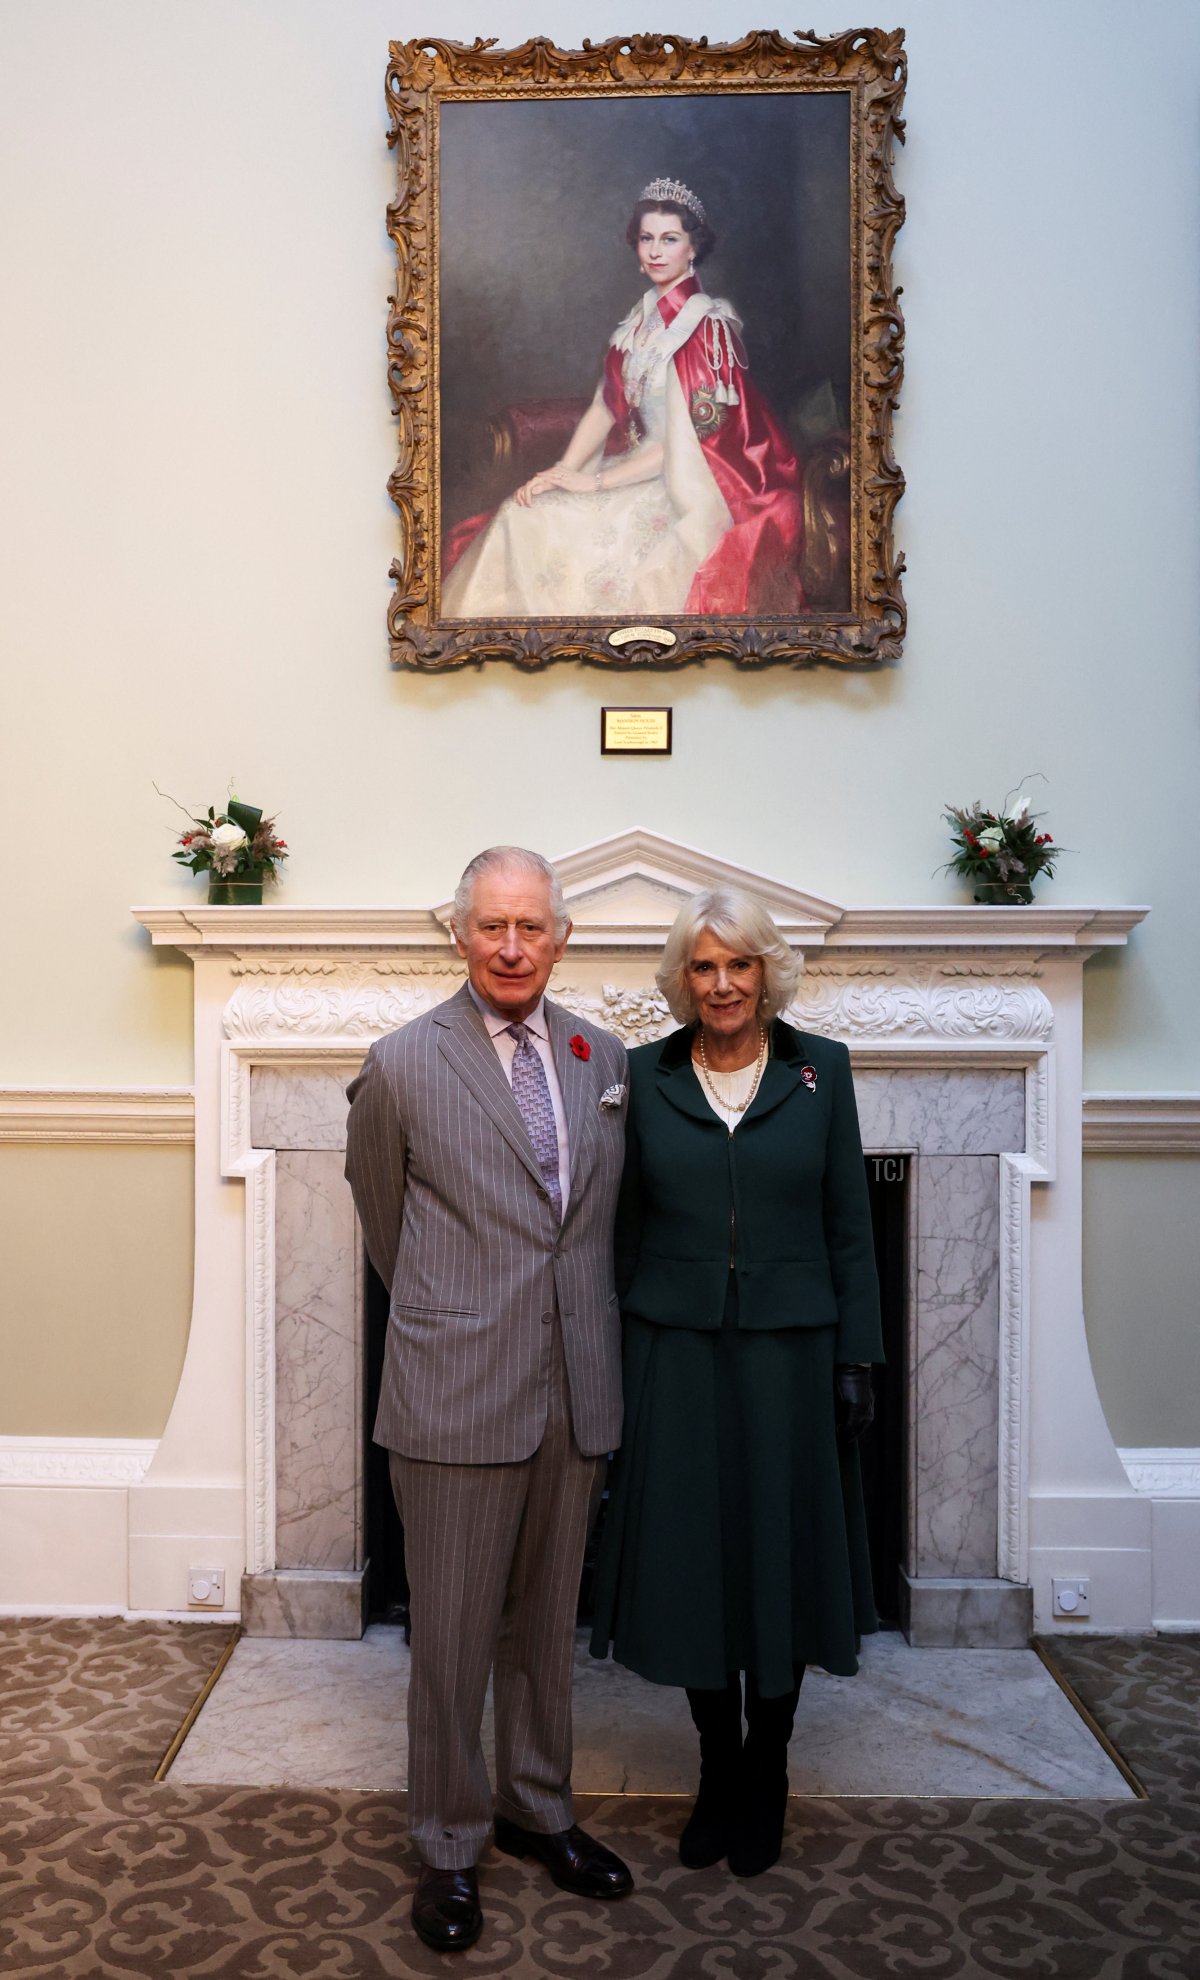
1141	1290
193	568
197	535
97	1288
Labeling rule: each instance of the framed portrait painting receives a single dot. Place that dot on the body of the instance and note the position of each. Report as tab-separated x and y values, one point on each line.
645	350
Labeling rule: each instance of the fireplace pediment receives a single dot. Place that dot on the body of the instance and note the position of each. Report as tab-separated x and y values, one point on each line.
625	892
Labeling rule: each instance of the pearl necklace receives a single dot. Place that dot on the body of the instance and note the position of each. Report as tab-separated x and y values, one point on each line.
708	1076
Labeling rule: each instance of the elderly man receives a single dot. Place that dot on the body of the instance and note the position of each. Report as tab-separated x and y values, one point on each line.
485	1149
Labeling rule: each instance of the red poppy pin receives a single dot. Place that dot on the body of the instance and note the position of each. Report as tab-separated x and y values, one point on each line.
580	1047
809	1075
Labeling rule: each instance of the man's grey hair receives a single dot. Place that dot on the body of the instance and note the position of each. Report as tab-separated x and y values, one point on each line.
499	856
742	924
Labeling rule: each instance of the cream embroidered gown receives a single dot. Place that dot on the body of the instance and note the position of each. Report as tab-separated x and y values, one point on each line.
613	552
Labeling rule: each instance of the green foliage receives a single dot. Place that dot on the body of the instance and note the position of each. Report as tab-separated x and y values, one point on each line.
216	843
1003	848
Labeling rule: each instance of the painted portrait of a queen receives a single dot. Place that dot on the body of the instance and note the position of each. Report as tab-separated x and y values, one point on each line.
645	359
678	489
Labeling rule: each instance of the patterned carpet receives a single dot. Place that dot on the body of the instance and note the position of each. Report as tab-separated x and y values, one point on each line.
103	1873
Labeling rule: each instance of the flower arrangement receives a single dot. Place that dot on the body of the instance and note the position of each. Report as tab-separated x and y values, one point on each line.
238	848
1002	851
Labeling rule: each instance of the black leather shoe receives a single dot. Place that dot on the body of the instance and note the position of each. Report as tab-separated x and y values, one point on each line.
445	1909
575	1861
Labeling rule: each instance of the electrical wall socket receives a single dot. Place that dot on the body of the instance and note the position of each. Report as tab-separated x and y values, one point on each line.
1072	1599
206	1588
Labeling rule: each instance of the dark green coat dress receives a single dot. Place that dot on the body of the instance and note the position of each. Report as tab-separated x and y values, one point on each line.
735	1536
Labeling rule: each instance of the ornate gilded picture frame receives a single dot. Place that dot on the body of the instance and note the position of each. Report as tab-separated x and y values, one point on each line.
644	351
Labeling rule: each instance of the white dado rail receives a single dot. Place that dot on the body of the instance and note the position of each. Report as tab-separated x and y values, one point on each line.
965	1028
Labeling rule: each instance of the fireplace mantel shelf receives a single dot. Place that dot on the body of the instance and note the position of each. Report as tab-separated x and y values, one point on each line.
389	931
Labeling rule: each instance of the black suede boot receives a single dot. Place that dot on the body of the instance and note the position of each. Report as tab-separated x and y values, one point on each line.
717	1716
762	1801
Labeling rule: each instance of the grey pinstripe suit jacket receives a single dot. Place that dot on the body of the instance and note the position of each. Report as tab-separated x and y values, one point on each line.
459	1225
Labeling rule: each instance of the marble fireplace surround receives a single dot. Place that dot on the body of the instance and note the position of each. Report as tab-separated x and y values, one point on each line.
964	1027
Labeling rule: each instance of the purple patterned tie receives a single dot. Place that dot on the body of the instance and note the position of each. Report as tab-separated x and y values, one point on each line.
531	1091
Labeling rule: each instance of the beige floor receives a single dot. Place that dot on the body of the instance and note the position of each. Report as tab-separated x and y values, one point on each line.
983	1723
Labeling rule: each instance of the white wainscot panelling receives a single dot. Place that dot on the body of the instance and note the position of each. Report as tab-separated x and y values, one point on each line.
64	1522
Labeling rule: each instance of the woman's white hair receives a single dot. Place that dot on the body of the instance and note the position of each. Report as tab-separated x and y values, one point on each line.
528	862
737	920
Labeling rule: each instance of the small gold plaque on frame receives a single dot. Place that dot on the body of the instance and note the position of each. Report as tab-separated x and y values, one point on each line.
635	731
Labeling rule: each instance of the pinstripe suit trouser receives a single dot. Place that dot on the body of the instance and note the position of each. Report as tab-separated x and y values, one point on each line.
493	1553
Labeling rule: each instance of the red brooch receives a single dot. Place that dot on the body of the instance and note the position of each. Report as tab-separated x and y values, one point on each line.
809	1076
580	1047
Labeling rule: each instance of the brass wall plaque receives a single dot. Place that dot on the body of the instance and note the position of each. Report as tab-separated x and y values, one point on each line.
635	731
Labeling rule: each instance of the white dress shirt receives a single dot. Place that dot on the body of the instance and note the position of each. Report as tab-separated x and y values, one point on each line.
506	1051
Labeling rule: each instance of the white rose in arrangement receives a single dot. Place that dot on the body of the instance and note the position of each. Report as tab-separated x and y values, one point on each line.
991	836
228	838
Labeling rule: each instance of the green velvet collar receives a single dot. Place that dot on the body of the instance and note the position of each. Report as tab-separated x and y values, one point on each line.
680	1084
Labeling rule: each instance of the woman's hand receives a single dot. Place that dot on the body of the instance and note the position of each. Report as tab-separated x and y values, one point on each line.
571	480
854	1405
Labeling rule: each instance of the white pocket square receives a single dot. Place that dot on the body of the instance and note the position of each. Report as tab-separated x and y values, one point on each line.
612	1096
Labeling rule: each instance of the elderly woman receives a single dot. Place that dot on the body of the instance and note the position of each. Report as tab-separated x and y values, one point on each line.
735	1539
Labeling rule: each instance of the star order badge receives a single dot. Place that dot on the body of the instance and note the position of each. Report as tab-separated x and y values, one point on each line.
708	414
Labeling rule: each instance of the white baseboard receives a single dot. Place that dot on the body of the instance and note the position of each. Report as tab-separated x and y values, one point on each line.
1176	1564
64	1546
83	1533
1140	1552
58	1611
69	1546
68	1611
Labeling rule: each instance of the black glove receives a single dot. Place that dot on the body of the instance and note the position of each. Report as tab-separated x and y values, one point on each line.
854	1405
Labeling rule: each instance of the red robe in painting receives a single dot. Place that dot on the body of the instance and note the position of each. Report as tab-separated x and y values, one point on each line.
755	568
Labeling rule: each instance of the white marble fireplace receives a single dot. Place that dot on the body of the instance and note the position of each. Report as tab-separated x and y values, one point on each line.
965	1028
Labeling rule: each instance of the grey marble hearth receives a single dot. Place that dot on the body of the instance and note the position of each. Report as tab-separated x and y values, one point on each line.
984	1723
951	1126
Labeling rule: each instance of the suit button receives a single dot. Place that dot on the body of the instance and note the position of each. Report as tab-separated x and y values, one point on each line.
547	1319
